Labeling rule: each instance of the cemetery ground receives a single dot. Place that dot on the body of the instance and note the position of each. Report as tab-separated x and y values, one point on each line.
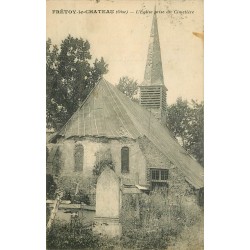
154	221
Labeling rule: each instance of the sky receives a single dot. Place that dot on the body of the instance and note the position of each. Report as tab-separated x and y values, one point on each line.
122	38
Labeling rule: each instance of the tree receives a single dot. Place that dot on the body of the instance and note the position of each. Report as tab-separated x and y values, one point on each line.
70	78
129	87
186	121
195	144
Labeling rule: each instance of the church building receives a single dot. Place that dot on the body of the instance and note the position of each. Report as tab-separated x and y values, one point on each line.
144	152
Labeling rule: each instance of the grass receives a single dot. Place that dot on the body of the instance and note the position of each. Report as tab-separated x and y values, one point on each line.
161	223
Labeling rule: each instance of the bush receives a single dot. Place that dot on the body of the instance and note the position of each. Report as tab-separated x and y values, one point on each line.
145	238
80	197
71	236
190	237
50	187
77	236
77	189
103	160
48	212
161	221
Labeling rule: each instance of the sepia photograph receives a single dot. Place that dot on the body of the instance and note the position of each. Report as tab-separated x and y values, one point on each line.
125	124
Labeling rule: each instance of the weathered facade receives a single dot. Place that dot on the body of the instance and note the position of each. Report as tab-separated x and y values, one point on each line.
142	149
133	172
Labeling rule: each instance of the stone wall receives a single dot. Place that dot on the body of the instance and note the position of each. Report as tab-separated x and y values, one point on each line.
91	146
138	164
154	158
179	189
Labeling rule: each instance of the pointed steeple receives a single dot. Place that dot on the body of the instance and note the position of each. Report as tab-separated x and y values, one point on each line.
153	90
153	71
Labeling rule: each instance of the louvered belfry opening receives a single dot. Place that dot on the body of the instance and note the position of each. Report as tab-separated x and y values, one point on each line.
153	97
153	90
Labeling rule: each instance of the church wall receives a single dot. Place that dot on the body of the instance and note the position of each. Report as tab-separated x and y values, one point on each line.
67	150
179	189
90	148
137	163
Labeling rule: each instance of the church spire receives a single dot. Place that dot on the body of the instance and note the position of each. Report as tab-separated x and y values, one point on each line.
153	71
152	90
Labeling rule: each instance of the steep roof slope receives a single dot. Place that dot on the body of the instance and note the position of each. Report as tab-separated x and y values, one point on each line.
101	114
108	112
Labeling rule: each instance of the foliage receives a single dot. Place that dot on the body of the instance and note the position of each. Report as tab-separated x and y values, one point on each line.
190	238
71	236
196	142
186	121
70	78
145	239
50	187
161	223
78	235
103	160
48	212
77	188
129	87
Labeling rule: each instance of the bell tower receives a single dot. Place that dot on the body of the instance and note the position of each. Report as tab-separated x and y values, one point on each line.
153	90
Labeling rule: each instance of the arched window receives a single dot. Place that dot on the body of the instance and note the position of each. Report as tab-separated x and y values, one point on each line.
125	160
78	155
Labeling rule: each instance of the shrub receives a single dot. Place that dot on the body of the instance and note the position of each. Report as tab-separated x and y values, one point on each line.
103	160
71	236
77	188
190	237
160	224
50	187
154	221
161	221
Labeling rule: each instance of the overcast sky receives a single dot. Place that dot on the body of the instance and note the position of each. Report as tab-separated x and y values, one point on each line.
122	39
